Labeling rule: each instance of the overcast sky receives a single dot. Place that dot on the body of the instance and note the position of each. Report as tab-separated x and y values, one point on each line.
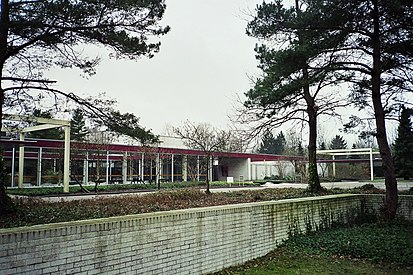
205	62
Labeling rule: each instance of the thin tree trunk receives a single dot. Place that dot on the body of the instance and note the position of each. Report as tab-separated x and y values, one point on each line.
4	26
208	191
391	201
313	178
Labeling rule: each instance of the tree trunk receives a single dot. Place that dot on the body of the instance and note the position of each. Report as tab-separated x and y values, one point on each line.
208	191
5	202
391	201
313	178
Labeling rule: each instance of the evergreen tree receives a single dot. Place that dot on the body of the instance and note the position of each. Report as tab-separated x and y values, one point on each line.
403	146
338	142
271	145
279	144
296	73
323	146
78	130
267	143
54	133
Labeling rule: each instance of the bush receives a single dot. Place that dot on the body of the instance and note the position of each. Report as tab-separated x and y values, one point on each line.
367	187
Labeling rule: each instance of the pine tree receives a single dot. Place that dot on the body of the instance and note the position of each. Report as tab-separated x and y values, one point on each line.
271	145
403	146
338	142
279	144
78	130
267	143
54	133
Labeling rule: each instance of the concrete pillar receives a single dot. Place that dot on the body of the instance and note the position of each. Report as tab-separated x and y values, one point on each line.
210	160
265	169
21	162
39	167
172	168
131	173
86	169
334	166
197	168
13	166
107	167
66	165
142	166
249	170
125	167
371	165
184	168
157	170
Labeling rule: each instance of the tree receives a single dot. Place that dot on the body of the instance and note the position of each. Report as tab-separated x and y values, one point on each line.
378	49
37	35
271	145
267	143
78	130
295	77
403	146
338	142
280	143
205	138
54	133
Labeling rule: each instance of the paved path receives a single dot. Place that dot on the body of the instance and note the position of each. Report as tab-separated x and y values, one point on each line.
328	185
343	185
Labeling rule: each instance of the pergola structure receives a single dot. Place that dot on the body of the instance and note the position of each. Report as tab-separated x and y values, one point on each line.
43	124
349	152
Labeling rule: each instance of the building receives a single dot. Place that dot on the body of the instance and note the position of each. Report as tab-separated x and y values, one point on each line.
108	163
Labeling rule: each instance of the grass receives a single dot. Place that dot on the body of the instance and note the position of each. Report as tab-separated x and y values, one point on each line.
367	249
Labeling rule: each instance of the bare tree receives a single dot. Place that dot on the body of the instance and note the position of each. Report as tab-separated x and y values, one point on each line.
205	138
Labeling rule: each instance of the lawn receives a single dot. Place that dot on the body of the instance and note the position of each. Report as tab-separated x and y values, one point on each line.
367	249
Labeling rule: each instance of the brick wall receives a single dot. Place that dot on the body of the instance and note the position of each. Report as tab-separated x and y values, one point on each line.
192	241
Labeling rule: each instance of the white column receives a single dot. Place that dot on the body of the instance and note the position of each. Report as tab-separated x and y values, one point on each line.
39	167
172	168
265	168
107	167
157	168
371	165
66	165
13	166
86	169
197	168
21	162
184	168
210	167
249	176
143	166
124	167
130	173
334	166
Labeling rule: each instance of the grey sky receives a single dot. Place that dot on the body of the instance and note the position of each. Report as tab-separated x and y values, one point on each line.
204	63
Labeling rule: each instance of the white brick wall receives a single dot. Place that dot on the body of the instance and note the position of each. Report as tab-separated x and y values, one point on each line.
192	241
